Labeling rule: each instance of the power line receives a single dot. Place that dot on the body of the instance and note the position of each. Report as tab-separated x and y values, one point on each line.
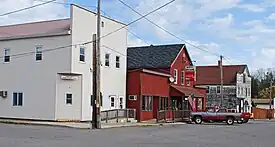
85	43
167	30
26	8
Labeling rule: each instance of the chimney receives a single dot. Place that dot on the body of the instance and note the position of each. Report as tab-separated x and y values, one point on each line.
219	63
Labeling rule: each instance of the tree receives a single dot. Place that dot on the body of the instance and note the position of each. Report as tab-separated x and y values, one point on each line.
264	93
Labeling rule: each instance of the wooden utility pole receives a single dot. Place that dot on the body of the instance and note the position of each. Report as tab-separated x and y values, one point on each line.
221	80
270	98
94	96
98	64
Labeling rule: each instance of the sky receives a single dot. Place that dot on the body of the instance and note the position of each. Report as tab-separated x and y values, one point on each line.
242	31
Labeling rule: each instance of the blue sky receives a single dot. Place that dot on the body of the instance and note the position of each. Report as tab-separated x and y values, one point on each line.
241	30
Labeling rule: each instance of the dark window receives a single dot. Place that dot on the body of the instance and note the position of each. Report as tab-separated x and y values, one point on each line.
14	99
82	54
69	98
244	78
121	103
92	101
112	101
107	60
38	53
17	99
7	55
207	89
218	89
132	97
117	62
147	103
102	24
163	103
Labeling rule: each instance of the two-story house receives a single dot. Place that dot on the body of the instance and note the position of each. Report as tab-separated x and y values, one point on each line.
236	86
46	67
156	80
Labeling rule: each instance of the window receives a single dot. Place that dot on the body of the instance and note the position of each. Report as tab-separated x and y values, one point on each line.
112	99
107	60
38	53
182	78
132	97
92	101
69	98
117	62
218	89
163	103
188	83
176	76
239	90
121	102
7	55
17	99
147	103
102	24
244	78
248	93
207	89
82	54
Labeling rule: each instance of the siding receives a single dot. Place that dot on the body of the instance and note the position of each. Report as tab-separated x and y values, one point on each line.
37	80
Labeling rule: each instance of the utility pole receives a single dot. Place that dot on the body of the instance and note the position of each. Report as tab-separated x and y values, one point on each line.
270	98
221	80
94	96
98	97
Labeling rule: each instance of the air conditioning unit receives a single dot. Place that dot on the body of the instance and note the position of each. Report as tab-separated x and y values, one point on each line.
4	94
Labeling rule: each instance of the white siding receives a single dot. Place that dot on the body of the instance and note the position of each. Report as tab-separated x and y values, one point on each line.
244	86
113	81
36	80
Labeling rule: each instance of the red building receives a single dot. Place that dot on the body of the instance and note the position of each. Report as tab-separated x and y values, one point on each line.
150	87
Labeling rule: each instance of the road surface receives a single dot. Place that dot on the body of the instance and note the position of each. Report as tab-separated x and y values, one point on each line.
253	134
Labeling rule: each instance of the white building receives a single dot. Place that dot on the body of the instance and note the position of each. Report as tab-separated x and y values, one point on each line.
48	75
236	86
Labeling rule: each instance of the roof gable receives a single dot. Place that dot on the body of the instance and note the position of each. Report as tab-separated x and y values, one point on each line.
210	75
159	56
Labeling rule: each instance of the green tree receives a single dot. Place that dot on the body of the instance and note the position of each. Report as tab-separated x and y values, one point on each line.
264	93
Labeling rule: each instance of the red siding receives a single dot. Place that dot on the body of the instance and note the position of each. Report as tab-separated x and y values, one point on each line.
154	85
179	63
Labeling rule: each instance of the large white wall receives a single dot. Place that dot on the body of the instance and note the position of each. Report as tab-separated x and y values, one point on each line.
243	89
36	79
113	81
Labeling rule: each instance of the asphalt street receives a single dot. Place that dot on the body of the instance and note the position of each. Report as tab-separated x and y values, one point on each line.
253	134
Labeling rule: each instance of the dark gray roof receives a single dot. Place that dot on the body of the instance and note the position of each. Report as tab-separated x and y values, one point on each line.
157	56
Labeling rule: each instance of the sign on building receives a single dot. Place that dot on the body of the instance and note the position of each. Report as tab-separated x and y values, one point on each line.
190	73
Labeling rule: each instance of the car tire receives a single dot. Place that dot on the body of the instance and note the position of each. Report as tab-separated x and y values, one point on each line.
198	120
245	121
239	121
230	121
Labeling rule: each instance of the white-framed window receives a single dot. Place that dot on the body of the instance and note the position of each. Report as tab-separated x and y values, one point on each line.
38	53
7	55
188	83
82	54
69	98
112	101
117	62
176	76
121	102
147	103
17	99
239	90
218	89
207	89
132	97
107	60
182	77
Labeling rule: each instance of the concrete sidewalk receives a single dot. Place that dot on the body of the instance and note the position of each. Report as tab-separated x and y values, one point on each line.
84	125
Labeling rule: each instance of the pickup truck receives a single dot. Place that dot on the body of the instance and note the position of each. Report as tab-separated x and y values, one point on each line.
218	116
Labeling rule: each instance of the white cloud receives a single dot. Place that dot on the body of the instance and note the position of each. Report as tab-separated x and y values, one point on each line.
271	16
252	7
44	12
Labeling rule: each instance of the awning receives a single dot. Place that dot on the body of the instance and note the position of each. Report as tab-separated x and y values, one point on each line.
188	91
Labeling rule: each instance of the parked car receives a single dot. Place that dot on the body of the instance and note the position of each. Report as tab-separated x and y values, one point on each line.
217	115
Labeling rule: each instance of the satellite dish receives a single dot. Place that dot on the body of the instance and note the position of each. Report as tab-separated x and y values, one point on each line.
171	79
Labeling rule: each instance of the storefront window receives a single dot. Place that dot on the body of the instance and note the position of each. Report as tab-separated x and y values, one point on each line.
147	104
163	103
199	106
